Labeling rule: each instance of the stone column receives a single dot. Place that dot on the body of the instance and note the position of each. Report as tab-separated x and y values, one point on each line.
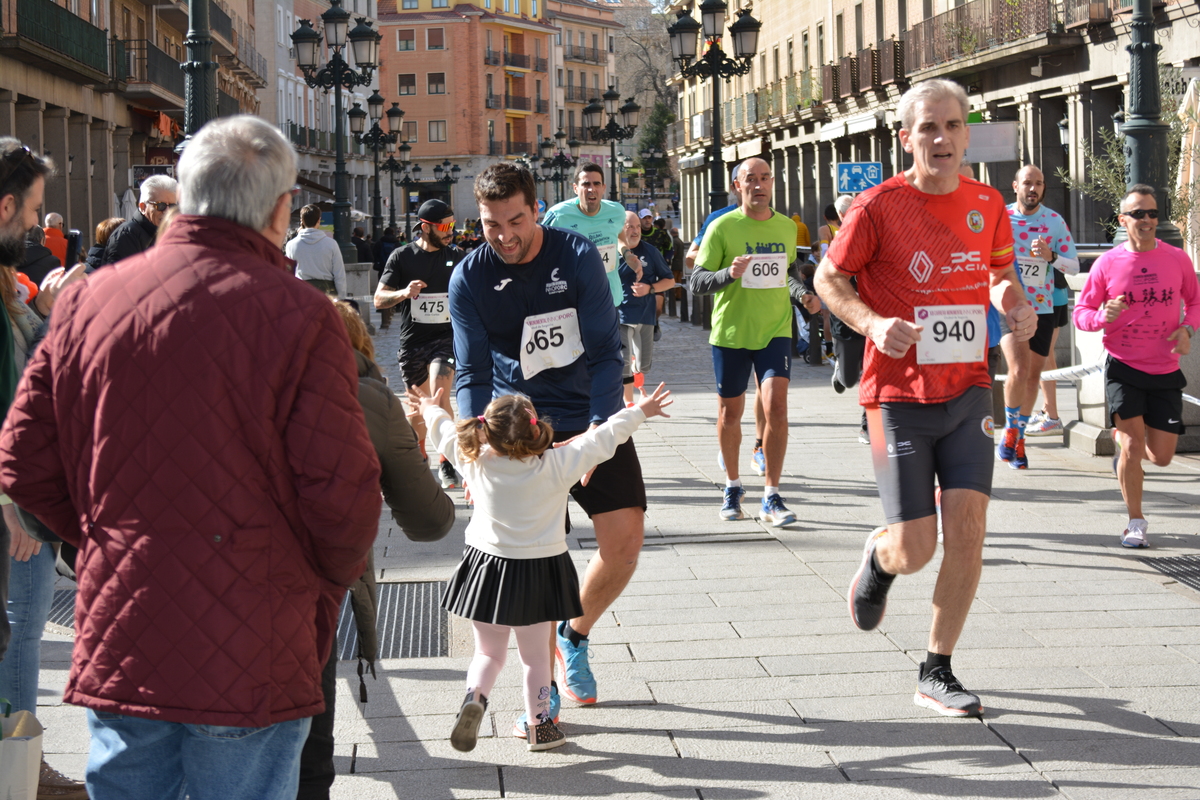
826	191
120	163
103	184
8	113
795	181
809	201
80	190
57	143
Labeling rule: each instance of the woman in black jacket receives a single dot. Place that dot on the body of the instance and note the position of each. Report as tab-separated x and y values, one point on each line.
419	506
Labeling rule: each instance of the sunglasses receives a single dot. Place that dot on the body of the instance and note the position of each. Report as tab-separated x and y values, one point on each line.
1142	213
159	205
440	227
13	161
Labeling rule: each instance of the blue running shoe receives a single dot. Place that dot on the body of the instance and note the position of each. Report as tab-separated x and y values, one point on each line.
775	512
731	509
577	673
519	727
760	462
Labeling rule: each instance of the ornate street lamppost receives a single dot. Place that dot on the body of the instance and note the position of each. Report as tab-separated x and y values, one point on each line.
563	160
446	173
377	141
617	168
338	75
1146	155
411	177
650	161
613	131
393	168
200	73
714	64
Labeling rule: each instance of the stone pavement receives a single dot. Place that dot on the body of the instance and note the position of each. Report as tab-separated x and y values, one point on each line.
730	670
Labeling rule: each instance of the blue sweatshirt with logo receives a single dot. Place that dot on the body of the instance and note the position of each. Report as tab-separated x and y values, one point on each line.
490	302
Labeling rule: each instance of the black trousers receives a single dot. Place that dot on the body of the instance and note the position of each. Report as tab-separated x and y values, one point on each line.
316	760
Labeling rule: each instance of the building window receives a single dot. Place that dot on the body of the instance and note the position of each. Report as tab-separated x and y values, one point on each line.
804	62
571	77
410	5
791	60
560	119
612	44
441	3
839	37
533	9
516	6
775	64
435	39
406	40
437	130
508	6
595	42
821	43
559	78
409	133
437	83
558	38
538	92
488	82
406	83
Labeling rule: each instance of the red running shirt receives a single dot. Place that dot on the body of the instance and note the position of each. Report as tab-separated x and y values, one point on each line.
909	249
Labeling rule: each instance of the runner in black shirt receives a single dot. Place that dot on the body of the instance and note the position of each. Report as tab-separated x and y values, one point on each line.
416	281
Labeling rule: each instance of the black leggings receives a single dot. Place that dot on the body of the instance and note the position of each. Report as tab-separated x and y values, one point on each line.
316	760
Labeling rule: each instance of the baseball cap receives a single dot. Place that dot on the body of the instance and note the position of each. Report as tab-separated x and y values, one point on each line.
645	212
434	211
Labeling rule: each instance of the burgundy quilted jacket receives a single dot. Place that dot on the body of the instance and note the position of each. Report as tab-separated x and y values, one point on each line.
192	422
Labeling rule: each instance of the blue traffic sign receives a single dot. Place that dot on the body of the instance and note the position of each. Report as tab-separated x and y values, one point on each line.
858	176
541	206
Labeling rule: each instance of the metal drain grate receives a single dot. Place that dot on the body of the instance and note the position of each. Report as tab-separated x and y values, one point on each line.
1185	569
410	620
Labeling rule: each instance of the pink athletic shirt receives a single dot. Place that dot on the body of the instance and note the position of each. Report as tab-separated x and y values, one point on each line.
1160	287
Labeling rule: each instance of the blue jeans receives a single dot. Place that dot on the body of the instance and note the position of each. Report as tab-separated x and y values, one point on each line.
30	595
142	759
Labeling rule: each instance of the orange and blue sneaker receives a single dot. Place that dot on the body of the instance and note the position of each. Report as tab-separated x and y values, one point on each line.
1019	460
1007	447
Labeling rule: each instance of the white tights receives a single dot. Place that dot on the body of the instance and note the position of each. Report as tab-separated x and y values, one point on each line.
491	649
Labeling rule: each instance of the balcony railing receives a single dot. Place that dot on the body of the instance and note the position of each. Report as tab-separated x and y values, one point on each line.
540	65
868	69
848	76
974	27
576	94
221	22
891	62
588	55
1078	13
542	106
495	148
492	57
676	134
64	34
516	60
145	63
493	101
578	132
516	102
830	88
518	148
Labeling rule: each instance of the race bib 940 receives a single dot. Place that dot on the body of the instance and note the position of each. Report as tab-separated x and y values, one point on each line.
766	271
952	335
549	341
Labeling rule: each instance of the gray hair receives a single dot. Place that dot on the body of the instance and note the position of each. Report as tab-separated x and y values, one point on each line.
157	183
930	91
54	220
842	204
236	168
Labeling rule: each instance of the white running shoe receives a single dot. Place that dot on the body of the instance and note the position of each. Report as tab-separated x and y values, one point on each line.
1044	426
1134	534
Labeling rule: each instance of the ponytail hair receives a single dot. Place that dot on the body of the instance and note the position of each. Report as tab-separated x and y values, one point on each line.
511	426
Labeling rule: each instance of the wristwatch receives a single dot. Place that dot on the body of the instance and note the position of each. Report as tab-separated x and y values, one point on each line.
1053	257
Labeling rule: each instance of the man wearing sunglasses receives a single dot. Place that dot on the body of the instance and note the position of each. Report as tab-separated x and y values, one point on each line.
1134	294
416	281
134	235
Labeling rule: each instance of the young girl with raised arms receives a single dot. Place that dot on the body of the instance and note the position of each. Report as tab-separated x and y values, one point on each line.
516	574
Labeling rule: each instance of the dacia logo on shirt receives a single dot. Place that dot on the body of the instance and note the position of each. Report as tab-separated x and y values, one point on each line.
964	262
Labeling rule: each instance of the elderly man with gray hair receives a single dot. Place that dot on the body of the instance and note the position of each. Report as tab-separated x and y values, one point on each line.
191	423
158	193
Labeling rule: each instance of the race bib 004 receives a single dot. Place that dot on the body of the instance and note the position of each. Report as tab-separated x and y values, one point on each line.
608	255
766	271
952	335
431	309
549	341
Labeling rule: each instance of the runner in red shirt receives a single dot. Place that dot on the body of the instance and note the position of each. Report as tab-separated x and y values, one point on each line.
929	251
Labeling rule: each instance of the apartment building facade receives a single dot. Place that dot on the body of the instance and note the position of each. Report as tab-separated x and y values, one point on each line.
99	87
826	79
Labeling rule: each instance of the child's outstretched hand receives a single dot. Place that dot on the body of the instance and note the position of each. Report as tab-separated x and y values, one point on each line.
418	400
653	405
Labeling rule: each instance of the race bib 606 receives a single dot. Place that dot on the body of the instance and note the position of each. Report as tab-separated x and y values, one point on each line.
952	335
766	271
549	341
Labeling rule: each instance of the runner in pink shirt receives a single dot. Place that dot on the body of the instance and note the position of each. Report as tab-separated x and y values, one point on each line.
1137	293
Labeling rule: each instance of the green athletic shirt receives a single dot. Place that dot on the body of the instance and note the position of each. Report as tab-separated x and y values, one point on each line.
603	229
748	318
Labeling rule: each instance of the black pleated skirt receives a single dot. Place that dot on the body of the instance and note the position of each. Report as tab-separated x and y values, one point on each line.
513	591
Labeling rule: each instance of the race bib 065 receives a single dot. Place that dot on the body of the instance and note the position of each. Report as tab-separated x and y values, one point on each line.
766	271
549	341
952	335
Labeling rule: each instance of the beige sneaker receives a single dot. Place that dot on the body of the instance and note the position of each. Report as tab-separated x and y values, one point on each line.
53	785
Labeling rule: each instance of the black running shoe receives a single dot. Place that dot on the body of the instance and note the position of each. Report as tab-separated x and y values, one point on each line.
868	594
941	691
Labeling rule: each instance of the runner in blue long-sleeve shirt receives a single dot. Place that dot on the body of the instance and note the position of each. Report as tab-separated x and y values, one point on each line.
533	314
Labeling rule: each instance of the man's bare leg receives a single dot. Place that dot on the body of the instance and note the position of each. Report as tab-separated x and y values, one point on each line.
619	537
729	431
773	394
1050	388
1016	355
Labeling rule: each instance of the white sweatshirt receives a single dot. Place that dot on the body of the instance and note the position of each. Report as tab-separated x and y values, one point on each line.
521	504
317	257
